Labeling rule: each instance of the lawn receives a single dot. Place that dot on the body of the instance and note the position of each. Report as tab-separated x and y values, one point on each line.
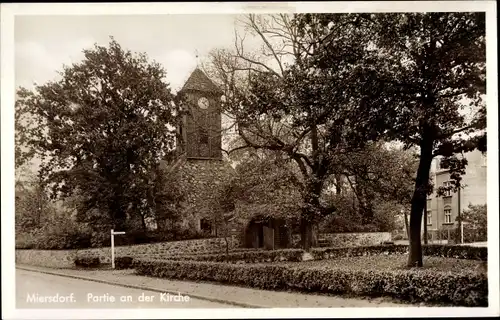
393	263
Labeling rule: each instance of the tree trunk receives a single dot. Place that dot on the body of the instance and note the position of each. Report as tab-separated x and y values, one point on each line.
306	233
143	223
309	215
118	216
227	245
407	227
338	184
425	223
418	202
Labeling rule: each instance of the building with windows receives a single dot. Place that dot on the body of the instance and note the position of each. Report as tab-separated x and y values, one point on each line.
442	212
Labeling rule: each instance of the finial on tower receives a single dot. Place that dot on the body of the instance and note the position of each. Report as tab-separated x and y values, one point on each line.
197	58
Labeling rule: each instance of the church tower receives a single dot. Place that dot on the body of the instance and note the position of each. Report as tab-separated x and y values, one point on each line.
201	128
203	171
202	166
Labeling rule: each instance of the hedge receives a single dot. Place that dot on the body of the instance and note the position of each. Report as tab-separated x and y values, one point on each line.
87	262
456	251
124	262
432	250
247	256
464	289
254	256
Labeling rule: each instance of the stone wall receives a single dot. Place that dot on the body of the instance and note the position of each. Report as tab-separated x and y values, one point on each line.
46	258
199	180
65	258
350	239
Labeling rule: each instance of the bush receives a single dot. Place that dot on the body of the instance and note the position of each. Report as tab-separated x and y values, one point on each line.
87	262
59	234
24	240
248	256
124	262
469	289
476	219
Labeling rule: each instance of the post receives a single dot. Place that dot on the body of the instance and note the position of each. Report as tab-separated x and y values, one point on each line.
113	246
112	249
461	233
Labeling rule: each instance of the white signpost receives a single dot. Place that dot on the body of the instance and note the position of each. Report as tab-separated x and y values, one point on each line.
462	231
113	233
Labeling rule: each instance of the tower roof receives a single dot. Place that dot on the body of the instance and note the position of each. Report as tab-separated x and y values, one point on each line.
199	81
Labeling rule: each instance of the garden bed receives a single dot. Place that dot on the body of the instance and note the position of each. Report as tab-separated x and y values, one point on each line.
296	255
442	280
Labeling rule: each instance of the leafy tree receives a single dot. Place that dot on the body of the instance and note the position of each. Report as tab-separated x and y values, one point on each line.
44	224
370	188
267	186
476	222
378	173
167	195
262	185
423	70
32	205
433	69
222	205
100	130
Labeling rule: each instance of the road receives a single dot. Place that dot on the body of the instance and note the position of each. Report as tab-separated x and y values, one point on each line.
34	287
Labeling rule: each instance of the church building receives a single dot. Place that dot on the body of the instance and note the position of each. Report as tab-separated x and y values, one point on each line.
203	167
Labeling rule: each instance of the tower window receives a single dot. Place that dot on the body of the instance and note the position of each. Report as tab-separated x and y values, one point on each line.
203	136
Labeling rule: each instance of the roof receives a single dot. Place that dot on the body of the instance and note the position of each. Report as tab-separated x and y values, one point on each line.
199	81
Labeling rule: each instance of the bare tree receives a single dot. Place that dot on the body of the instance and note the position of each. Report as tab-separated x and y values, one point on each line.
281	104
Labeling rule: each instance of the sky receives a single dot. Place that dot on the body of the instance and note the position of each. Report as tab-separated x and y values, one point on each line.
44	43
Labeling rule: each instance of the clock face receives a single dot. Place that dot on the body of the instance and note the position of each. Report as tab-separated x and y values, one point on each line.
203	103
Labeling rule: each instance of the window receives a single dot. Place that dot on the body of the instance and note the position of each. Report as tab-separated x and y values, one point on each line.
447	201
447	214
429	217
447	184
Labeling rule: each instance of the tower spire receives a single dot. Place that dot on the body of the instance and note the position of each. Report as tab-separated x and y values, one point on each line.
197	58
